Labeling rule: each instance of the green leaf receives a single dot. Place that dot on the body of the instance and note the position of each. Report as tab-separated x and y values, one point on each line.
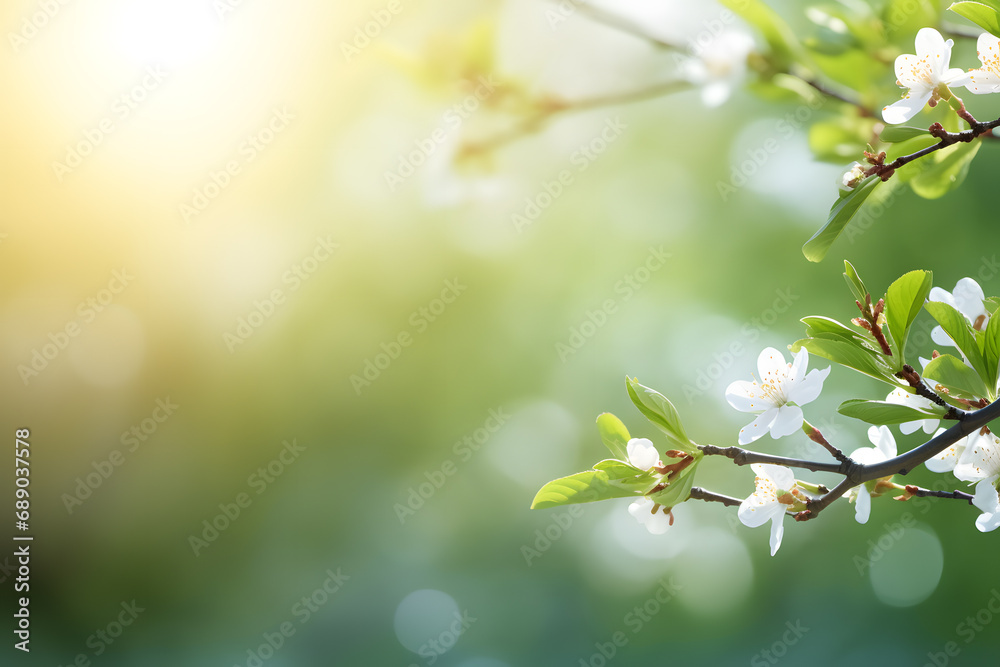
583	487
895	133
960	331
817	326
991	350
903	301
960	380
779	36
853	68
858	288
679	489
883	413
657	409
614	434
848	354
982	14
940	175
840	139
843	210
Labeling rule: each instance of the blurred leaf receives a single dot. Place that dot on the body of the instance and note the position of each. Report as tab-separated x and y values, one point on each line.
903	301
843	210
903	18
882	413
657	409
840	139
583	487
985	14
991	304
960	380
897	133
940	175
779	36
783	87
614	435
854	281
847	354
852	67
960	331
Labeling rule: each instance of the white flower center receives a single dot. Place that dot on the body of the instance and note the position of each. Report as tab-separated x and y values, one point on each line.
922	71
772	385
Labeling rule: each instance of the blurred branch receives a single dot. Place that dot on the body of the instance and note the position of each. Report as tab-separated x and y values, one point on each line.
621	23
831	92
549	108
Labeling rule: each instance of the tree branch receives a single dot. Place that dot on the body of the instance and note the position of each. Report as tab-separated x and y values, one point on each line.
904	463
699	493
814	507
744	457
857	473
912	490
977	129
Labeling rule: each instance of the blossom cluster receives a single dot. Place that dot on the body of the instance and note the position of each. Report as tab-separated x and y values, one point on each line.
776	398
928	75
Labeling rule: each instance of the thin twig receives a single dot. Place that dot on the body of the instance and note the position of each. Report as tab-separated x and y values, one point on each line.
699	493
929	493
913	379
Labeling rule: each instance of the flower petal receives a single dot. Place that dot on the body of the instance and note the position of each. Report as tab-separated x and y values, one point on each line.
929	42
640	507
987	79
756	510
981	458
782	478
715	93
642	453
809	388
911	71
948	459
940	295
863	505
940	337
788	421
772	366
777	531
987	500
799	364
658	523
748	397
882	438
969	299
906	108
758	427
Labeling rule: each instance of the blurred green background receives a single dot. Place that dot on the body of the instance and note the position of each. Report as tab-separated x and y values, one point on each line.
385	492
